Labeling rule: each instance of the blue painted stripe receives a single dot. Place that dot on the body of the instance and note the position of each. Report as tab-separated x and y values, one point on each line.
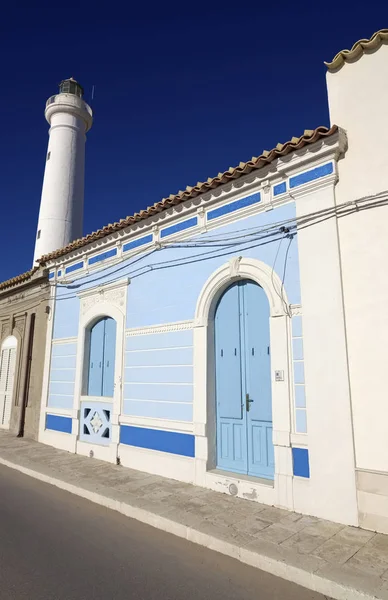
174	411
63	388
300	458
280	188
179	227
64	349
65	402
154	439
52	275
166	374
57	423
63	362
102	256
156	341
156	392
232	206
147	239
154	358
67	375
316	173
74	267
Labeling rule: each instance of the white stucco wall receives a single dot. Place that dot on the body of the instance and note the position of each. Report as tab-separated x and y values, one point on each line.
358	101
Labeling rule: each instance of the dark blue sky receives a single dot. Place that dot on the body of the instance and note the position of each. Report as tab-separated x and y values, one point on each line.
180	95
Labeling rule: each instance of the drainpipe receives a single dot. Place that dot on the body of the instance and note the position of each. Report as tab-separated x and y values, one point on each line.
27	376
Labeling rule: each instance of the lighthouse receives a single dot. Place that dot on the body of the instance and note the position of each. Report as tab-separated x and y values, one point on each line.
62	201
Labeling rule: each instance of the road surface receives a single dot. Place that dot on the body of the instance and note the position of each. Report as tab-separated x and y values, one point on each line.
56	546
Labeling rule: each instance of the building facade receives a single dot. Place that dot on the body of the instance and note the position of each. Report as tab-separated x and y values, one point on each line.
233	335
23	321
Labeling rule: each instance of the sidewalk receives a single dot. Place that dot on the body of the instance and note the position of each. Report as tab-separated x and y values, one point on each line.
340	562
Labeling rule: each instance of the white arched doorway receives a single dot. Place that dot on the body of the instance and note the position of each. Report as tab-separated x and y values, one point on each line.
209	470
7	379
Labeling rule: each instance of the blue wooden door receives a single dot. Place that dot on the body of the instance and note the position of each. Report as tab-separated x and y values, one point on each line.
102	358
96	359
109	357
231	426
258	381
243	381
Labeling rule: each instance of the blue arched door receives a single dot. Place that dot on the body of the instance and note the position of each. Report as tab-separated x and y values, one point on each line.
243	381
102	358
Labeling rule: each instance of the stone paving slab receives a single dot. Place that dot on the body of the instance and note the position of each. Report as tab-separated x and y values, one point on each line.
338	561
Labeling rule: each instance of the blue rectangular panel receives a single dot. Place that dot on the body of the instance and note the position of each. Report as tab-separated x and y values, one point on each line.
58	401
52	275
67	375
63	362
298	372
316	173
297	349
57	423
155	439
174	411
162	391
147	239
151	358
280	188
62	389
74	267
233	206
154	341
165	374
297	326
301	421
300	457
102	256
300	396
64	349
59	273
179	227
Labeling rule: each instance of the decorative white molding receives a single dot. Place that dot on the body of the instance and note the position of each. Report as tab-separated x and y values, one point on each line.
162	328
296	309
240	268
112	294
153	423
234	266
68	340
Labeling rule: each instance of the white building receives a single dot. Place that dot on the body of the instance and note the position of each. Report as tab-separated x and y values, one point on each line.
234	335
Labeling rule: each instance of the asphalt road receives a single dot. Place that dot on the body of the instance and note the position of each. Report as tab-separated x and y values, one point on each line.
56	546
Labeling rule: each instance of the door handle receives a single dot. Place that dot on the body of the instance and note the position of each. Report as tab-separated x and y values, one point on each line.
248	402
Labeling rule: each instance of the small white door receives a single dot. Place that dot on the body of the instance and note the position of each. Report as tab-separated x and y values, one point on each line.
7	378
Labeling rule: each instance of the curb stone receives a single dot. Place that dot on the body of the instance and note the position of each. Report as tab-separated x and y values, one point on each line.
308	579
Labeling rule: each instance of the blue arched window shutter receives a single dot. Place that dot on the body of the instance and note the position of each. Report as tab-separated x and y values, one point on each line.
102	358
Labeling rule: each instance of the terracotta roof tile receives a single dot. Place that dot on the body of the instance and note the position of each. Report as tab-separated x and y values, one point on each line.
309	137
18	279
358	49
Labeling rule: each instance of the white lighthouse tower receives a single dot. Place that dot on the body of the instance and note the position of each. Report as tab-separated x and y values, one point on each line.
62	202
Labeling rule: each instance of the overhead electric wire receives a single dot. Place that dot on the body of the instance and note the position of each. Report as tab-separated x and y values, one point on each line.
272	230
